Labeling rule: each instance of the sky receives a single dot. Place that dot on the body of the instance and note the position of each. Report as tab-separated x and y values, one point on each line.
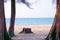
41	9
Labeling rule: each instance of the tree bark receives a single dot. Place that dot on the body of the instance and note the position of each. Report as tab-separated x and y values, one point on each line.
1	21
54	33
12	21
3	32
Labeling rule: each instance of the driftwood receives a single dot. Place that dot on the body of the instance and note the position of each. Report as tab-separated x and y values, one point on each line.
26	30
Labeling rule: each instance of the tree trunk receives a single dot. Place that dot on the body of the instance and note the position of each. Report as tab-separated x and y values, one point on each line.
3	31
26	30
54	33
12	21
1	20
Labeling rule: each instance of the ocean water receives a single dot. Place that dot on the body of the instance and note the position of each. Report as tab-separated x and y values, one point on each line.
31	21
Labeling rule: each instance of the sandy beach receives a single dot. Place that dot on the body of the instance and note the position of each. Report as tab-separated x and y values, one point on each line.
40	32
35	28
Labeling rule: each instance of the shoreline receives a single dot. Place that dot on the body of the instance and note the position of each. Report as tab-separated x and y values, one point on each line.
32	24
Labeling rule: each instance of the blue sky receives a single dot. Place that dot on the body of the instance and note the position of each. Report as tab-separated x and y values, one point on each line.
41	9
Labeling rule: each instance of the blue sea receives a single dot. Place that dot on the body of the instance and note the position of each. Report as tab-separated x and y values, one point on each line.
31	21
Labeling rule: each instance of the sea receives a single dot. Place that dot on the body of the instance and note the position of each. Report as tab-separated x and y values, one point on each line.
31	21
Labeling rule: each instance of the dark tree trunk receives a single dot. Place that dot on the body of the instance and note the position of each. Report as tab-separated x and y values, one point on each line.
12	21
3	32
54	33
1	20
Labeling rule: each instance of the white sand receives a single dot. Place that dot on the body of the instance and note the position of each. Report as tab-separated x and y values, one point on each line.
41	32
35	28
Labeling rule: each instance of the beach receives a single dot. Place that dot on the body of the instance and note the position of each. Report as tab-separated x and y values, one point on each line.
40	31
35	28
